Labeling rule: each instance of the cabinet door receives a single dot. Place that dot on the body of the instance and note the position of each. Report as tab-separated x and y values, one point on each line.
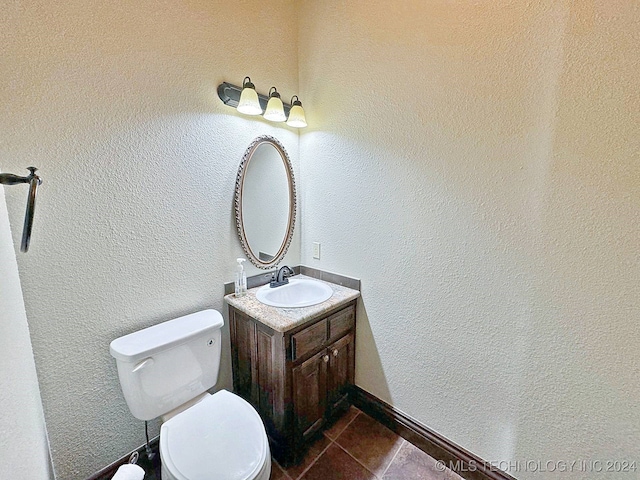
341	370
310	393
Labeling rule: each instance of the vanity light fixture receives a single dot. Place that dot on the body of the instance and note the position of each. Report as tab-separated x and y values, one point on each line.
246	100
296	114
249	103
275	108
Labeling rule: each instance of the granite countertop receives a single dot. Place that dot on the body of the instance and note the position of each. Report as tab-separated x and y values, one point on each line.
284	319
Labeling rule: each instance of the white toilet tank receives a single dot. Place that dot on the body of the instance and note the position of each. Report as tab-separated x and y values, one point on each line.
166	365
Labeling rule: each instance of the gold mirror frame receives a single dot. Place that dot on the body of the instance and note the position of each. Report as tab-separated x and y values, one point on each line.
242	170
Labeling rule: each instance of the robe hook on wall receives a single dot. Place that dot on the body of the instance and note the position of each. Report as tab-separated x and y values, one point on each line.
33	180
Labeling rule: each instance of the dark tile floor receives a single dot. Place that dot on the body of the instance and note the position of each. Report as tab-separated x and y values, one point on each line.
359	448
356	447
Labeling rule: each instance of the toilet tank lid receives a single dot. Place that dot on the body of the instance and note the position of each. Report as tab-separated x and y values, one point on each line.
144	343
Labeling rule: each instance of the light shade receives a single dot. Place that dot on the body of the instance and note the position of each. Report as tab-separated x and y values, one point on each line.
296	114
249	103
275	108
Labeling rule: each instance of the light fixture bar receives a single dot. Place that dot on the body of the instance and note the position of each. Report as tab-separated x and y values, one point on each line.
230	95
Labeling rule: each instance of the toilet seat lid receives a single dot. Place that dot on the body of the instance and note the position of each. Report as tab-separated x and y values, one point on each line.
220	437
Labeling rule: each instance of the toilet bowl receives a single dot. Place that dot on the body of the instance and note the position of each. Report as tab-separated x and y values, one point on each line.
165	371
221	437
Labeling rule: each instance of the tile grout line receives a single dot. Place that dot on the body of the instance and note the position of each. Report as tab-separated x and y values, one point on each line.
361	464
365	467
315	459
345	427
394	457
286	474
327	447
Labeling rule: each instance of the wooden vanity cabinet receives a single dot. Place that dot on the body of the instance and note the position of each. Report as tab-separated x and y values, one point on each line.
320	386
297	380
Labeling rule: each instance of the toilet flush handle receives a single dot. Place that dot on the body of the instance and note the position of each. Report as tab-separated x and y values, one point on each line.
143	363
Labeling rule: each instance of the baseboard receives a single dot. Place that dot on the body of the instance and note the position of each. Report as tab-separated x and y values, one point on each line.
463	462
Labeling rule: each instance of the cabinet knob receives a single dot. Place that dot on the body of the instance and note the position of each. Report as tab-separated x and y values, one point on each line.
326	358
335	352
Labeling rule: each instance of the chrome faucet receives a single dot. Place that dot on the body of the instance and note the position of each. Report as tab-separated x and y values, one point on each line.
279	277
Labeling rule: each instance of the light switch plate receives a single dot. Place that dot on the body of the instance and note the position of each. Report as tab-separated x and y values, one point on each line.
316	250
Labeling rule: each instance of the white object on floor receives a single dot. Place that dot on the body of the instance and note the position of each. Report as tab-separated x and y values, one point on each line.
129	472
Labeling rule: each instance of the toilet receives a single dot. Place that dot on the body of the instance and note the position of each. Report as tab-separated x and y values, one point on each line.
165	371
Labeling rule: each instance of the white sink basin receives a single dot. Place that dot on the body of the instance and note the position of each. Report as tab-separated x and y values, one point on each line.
297	293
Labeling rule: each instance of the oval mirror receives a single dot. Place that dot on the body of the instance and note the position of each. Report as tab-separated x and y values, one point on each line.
265	202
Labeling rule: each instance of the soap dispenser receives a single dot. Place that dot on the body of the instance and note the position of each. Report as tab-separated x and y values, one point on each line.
241	279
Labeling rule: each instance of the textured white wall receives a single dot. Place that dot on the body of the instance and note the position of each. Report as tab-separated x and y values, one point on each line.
24	451
477	165
116	103
492	215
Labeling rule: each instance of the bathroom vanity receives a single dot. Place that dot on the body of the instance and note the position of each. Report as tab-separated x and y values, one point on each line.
294	365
